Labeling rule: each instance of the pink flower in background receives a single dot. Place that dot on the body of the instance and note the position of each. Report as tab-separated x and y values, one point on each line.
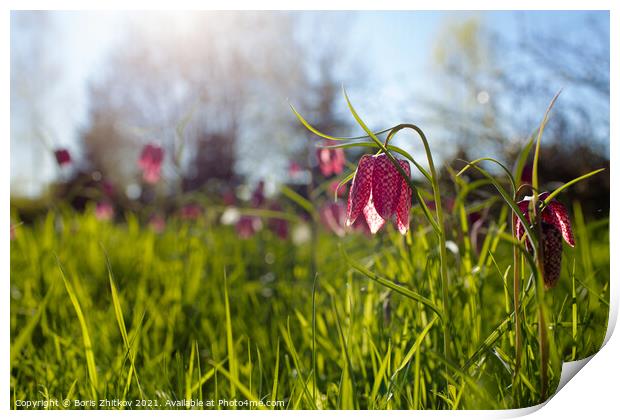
150	162
276	225
331	161
333	216
229	198
258	196
13	236
157	223
247	226
62	157
294	169
104	211
107	188
191	212
555	226
379	192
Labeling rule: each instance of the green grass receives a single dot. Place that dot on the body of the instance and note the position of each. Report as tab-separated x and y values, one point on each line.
102	310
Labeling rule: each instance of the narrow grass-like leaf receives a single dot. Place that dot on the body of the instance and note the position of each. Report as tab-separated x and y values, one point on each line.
391	285
230	345
327	136
568	184
88	347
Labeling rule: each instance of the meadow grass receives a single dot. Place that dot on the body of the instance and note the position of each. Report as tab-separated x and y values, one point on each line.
114	310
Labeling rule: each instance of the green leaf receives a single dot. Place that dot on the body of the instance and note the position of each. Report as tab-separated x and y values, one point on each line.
327	136
541	129
88	346
393	286
569	183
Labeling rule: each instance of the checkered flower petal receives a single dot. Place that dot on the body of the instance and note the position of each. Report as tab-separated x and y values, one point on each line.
404	201
359	194
558	216
552	254
519	229
373	219
386	186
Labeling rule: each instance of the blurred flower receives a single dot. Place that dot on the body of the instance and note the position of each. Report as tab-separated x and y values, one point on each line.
13	234
333	216
555	225
380	192
301	234
294	169
62	157
258	196
247	226
230	216
157	223
229	198
107	188
331	161
150	162
104	210
191	212
277	225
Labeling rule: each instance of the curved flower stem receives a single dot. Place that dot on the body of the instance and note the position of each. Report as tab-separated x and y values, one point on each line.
441	233
516	294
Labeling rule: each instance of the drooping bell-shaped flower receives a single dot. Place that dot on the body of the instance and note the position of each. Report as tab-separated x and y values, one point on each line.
331	161
247	226
104	211
333	216
150	162
157	223
277	225
191	212
379	192
555	225
63	157
258	196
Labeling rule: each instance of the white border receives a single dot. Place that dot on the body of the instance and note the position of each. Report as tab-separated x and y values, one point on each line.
593	394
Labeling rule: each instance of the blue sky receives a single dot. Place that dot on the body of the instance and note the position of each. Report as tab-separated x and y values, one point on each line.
395	47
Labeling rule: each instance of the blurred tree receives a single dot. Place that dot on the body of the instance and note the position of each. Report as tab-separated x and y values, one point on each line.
499	87
212	91
33	99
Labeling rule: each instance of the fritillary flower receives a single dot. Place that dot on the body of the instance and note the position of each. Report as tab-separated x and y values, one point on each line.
277	225
229	198
294	169
333	216
258	196
191	212
63	157
104	211
108	188
331	161
150	162
247	226
379	192
157	223
555	225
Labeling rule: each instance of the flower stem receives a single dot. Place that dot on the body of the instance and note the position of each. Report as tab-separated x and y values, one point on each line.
516	294
441	233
